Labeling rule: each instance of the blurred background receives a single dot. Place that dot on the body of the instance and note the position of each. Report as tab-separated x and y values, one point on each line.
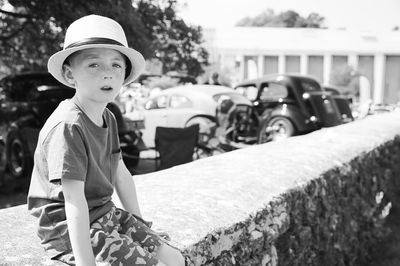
349	47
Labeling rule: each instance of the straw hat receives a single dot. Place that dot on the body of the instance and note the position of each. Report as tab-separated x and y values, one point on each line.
95	31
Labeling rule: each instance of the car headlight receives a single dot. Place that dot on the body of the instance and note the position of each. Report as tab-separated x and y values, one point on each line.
306	95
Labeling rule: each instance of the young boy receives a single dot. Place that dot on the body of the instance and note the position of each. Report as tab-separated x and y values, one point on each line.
78	160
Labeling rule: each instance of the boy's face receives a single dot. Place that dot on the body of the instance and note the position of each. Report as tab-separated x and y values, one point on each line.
96	73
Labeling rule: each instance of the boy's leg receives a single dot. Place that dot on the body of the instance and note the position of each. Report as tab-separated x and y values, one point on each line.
112	246
149	240
117	251
170	255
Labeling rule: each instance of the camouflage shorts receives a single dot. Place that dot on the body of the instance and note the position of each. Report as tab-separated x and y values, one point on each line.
118	238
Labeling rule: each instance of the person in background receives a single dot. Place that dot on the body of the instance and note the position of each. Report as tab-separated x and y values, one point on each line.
214	79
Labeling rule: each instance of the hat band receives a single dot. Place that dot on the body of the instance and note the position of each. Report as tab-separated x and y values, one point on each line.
93	40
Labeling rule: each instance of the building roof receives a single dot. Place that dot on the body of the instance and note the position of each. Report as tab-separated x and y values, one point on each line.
298	40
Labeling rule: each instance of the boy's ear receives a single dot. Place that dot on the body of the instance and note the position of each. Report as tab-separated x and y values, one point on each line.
68	75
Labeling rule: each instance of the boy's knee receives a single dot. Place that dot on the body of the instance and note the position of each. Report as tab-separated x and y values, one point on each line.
176	258
170	256
180	260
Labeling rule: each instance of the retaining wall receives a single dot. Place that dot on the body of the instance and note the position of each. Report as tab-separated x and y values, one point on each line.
315	199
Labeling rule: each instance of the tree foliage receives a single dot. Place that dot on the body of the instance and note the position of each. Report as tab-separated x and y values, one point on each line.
287	19
30	31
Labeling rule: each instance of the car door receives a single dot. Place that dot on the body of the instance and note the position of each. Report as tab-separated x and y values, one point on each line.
272	95
180	110
155	114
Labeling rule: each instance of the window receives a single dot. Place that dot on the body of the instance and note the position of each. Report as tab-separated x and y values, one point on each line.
338	61
156	103
250	67
179	101
366	67
271	64
309	85
273	91
292	63
249	91
316	66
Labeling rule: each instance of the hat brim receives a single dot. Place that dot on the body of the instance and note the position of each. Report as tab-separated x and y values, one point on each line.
56	61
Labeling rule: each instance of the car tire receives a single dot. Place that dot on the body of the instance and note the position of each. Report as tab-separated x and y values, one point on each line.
206	126
19	160
277	128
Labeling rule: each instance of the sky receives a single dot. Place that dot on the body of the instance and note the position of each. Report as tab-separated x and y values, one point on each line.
363	15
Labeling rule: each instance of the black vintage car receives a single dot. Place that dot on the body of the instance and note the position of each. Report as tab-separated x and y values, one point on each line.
26	101
290	105
343	102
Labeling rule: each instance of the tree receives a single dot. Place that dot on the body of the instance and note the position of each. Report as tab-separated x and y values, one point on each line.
287	19
343	77
177	45
30	31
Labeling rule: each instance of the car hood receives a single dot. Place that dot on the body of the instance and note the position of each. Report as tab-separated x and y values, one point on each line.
237	98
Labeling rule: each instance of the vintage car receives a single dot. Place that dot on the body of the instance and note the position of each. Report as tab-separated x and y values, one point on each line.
343	102
26	101
290	105
186	105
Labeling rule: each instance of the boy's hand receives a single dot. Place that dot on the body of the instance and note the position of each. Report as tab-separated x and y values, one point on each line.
163	234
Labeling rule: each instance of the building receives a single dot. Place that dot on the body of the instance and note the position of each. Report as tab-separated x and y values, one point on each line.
255	51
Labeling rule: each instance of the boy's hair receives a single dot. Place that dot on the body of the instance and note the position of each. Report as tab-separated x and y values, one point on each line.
95	31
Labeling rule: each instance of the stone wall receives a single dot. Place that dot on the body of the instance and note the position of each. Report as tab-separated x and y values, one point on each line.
317	199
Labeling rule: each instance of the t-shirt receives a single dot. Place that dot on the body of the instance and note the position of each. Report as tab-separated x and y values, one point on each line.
71	146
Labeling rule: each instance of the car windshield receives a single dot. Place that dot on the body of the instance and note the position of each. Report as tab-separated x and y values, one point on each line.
248	91
236	97
310	86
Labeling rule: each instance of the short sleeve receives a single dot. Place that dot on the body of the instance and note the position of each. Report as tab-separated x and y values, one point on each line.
66	153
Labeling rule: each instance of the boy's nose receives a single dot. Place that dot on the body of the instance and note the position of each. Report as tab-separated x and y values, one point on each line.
107	72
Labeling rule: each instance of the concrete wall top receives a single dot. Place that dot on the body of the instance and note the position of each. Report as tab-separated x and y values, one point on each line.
191	200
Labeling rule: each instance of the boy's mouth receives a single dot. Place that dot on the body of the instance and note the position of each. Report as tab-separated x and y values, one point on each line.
106	88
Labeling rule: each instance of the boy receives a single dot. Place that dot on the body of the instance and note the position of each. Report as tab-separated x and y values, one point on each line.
78	160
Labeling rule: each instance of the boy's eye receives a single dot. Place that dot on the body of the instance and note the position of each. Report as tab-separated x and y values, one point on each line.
117	65
93	65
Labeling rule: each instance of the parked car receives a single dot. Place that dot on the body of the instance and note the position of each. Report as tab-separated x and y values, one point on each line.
343	102
290	105
186	105
180	78
26	101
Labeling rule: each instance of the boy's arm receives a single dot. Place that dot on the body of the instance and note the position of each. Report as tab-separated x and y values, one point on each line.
77	212
126	190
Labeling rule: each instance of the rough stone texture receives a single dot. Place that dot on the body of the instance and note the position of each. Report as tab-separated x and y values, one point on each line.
309	200
306	200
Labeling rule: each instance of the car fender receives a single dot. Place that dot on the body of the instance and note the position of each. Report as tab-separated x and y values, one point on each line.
28	134
212	118
294	114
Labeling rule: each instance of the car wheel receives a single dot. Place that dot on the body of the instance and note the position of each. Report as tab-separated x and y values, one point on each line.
278	128
206	126
19	162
